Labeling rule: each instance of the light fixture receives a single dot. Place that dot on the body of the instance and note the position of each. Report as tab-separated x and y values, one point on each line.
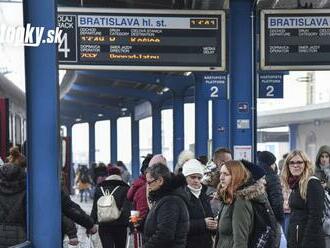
100	115
78	119
123	109
165	89
187	73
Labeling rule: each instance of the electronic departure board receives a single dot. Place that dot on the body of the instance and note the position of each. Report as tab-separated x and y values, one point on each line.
135	39
295	39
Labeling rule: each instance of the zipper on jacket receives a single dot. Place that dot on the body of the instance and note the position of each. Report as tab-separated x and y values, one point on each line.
297	234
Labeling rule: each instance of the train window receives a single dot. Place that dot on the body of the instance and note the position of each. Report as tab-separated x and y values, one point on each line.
11	130
24	130
18	130
63	131
102	143
63	152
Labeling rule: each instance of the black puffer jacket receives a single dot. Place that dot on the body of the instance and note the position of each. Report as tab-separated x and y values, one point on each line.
73	211
167	222
12	205
120	198
199	209
274	193
305	226
68	227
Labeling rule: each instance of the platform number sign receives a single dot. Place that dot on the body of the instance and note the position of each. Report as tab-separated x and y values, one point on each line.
66	48
214	92
214	86
270	85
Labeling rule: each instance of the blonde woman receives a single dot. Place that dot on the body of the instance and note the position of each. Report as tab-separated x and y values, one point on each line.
306	202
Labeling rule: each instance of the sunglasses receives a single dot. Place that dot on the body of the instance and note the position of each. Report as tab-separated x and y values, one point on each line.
296	162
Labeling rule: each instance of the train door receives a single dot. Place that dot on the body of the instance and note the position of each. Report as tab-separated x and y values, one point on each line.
4	128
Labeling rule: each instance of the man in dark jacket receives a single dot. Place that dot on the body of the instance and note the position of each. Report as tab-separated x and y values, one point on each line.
167	222
273	186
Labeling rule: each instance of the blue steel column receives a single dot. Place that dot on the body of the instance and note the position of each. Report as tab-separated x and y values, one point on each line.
135	147
114	143
156	129
201	120
242	75
44	196
178	125
220	124
293	132
91	142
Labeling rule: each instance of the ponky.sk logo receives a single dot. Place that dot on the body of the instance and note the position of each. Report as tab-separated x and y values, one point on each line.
30	36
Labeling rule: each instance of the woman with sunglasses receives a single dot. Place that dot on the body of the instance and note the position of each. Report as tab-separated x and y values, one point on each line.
201	220
306	202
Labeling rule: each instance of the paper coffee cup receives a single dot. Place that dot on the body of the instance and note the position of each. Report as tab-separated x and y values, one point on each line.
135	213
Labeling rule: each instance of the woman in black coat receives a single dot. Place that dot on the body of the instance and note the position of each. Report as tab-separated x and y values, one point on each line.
306	202
167	222
114	233
201	220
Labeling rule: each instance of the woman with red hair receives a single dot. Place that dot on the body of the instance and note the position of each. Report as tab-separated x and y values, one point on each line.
236	212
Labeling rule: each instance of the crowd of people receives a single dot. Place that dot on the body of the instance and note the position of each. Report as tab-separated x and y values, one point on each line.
221	203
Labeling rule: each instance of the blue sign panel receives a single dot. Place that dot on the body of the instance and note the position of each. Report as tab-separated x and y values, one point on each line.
214	86
271	85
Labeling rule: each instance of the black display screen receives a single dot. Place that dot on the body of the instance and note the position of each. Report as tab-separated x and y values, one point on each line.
295	39
176	40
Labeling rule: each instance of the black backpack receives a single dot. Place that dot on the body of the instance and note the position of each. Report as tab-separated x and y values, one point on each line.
265	225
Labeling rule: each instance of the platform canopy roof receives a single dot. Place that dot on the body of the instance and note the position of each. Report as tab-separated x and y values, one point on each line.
90	95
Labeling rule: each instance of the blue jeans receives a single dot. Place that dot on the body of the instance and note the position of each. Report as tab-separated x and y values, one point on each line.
286	224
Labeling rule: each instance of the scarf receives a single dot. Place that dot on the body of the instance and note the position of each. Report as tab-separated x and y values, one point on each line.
293	181
326	170
195	192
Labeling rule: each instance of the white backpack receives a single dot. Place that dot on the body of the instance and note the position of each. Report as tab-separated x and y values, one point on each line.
107	209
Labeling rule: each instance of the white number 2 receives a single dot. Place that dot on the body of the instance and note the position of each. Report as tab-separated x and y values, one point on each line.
270	91
214	91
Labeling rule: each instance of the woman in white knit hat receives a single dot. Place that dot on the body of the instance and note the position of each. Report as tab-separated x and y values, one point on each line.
202	224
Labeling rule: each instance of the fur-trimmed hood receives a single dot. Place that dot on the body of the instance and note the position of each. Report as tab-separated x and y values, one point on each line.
323	149
252	191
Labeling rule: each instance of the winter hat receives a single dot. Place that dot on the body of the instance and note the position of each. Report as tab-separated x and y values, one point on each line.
192	166
256	171
158	158
114	171
184	156
266	158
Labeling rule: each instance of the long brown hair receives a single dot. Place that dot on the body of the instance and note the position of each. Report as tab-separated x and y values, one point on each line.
305	176
239	176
